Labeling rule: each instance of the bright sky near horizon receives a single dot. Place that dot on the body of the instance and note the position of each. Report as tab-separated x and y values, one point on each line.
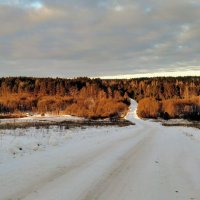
99	38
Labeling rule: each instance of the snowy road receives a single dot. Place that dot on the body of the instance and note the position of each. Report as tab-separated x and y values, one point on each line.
142	162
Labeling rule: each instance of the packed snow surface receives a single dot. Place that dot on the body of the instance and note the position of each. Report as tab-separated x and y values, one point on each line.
142	162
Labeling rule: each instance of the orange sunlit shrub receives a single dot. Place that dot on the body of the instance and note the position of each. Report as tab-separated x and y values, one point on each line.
172	108
148	108
89	102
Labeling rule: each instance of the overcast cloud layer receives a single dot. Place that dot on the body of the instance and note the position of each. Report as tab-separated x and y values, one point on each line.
98	37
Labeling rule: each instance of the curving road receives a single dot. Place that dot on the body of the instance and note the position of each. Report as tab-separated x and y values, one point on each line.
142	162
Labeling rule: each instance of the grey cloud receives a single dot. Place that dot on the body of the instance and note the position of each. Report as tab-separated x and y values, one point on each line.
93	37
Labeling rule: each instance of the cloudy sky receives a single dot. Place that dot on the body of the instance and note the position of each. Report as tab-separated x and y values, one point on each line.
70	38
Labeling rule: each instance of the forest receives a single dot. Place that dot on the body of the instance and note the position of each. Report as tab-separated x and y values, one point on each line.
96	98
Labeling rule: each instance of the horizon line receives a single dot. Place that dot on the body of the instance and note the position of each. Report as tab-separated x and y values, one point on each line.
187	73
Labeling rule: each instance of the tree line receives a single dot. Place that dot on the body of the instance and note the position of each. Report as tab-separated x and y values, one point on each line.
92	98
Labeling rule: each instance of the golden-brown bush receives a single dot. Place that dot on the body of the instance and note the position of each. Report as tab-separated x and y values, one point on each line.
97	108
148	108
89	102
182	108
172	108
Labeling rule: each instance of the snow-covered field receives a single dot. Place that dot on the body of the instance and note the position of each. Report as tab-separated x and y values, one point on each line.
142	162
39	118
